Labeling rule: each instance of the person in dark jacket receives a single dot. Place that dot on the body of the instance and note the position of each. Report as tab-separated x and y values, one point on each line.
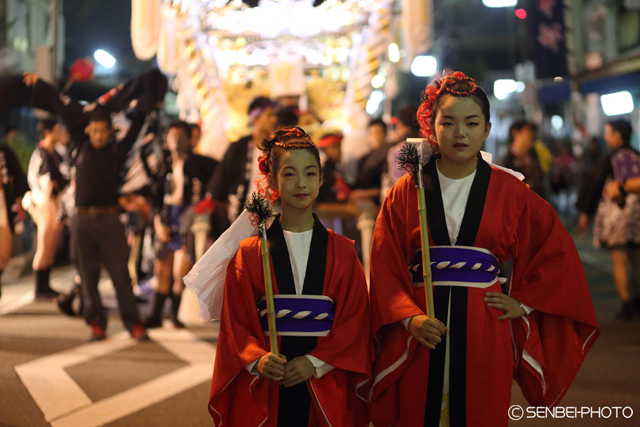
13	185
232	181
97	233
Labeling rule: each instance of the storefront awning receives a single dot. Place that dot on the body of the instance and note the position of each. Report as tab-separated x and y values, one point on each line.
611	84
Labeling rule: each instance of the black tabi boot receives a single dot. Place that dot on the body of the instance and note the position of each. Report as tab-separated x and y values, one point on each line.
43	290
175	306
65	302
155	320
627	311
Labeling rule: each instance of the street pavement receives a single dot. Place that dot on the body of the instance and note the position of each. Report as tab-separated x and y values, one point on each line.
51	375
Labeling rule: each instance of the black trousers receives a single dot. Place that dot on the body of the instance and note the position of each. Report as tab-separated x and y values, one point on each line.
99	239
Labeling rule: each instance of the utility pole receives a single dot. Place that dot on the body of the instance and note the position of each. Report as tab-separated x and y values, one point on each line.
54	40
3	23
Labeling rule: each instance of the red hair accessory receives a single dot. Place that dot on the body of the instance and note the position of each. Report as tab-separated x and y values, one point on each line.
264	190
294	145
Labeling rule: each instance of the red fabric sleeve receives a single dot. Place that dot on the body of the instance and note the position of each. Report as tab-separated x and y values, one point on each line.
548	276
392	296
236	394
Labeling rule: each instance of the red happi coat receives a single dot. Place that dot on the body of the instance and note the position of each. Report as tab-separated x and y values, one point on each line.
504	216
239	398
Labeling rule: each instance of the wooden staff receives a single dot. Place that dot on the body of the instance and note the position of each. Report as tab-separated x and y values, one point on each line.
261	210
410	159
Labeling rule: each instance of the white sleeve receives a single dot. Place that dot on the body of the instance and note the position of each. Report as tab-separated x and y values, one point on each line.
406	321
250	366
527	309
321	367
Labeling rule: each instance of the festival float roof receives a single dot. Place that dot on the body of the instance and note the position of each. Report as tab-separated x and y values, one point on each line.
221	54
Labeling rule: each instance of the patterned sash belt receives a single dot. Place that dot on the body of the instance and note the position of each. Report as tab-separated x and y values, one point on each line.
299	315
457	266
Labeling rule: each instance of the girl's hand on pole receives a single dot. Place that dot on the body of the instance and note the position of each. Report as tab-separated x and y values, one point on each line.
510	306
297	371
271	366
426	330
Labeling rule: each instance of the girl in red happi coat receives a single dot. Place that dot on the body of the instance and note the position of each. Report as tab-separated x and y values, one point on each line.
456	367
321	303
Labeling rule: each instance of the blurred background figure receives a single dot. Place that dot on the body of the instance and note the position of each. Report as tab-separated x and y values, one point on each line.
522	158
47	184
13	185
545	160
286	117
405	126
616	224
232	181
179	188
562	179
20	145
334	189
373	165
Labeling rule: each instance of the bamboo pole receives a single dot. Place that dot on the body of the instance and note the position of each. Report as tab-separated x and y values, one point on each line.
426	256
268	286
411	157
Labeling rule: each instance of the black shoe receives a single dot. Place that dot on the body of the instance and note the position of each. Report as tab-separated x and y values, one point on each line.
153	322
636	303
627	311
175	307
65	304
46	294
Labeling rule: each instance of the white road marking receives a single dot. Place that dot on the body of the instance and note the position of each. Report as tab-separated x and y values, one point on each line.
133	400
51	387
15	304
65	404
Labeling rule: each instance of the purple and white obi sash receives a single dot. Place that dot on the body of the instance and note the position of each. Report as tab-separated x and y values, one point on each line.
299	315
457	266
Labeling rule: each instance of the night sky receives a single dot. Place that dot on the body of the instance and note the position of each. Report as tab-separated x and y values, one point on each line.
100	24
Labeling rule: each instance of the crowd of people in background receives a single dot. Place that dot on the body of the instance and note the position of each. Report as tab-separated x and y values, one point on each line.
129	185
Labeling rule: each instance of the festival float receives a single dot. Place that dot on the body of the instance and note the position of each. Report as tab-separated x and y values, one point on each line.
336	61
